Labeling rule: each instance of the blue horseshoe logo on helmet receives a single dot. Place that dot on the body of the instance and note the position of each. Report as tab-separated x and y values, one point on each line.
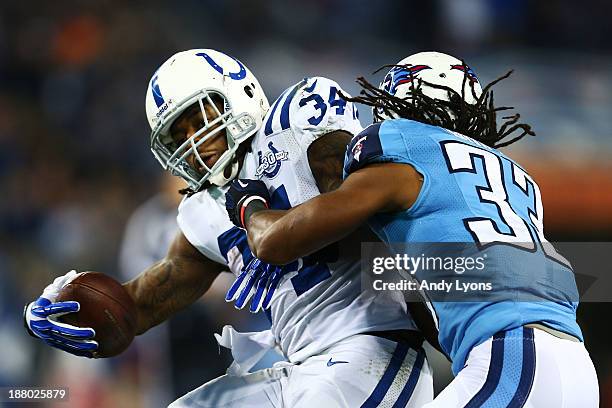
234	75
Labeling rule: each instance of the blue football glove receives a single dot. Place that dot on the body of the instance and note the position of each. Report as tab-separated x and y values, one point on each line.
241	193
258	280
40	319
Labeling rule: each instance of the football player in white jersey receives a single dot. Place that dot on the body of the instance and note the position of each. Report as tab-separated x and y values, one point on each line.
211	122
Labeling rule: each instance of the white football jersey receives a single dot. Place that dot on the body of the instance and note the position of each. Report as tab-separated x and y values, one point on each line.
319	301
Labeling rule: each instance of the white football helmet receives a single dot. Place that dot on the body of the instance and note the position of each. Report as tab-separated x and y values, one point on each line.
429	68
193	77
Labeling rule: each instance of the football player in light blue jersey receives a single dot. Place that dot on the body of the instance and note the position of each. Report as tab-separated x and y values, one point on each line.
428	171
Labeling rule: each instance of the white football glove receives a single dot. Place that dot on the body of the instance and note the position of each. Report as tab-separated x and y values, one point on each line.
40	319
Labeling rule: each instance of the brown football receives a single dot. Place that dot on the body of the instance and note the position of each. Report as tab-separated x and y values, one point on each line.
106	307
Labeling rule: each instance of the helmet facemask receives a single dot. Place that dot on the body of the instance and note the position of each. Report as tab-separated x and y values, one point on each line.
175	157
219	85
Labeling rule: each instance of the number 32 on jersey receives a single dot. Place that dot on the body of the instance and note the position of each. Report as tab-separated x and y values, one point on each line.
461	158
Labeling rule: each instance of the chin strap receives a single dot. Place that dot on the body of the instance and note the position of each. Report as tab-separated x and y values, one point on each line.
220	180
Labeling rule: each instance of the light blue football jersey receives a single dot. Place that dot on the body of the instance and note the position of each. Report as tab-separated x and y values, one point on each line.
472	193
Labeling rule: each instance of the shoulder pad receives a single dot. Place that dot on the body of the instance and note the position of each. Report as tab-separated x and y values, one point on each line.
363	148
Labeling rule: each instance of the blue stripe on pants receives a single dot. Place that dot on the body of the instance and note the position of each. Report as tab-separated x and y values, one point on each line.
511	371
415	373
494	374
387	379
528	371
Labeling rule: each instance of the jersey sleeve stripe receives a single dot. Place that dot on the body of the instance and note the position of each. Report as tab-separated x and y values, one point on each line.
284	117
311	87
268	128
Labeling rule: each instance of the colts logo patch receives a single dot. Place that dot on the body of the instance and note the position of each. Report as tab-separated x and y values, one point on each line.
270	162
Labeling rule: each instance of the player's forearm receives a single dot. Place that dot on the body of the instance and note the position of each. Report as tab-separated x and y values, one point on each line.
164	289
280	237
261	236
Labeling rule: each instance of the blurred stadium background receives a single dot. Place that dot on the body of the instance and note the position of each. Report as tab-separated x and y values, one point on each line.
75	163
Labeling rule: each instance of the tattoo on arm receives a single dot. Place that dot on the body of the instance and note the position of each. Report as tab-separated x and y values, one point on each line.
326	159
162	292
168	287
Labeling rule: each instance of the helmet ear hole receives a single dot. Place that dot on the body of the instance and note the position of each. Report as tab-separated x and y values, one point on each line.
248	89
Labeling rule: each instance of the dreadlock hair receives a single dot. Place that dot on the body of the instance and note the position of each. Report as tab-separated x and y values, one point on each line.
478	120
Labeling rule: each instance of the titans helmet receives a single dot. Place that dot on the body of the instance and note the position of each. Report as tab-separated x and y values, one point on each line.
202	76
425	69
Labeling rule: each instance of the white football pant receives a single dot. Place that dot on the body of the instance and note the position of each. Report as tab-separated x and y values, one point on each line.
524	367
360	371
